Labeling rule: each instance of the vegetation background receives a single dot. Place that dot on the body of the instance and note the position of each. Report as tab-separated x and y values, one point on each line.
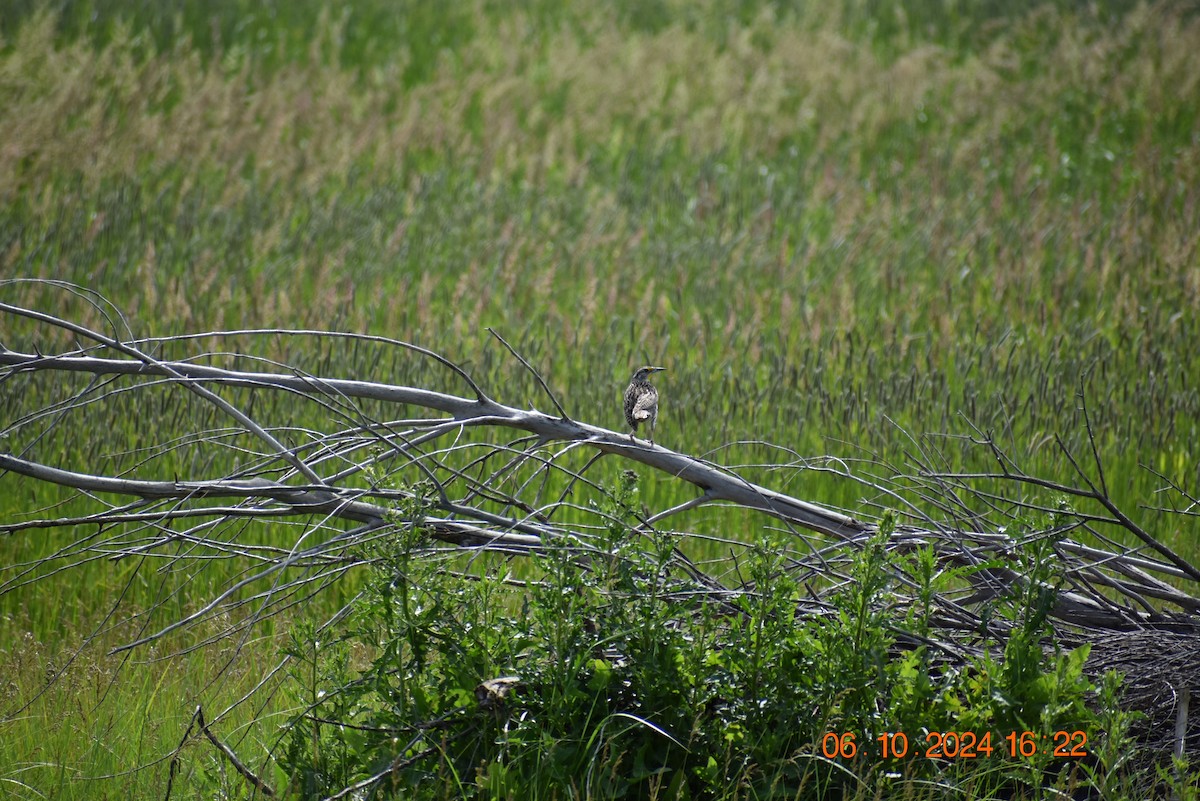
840	225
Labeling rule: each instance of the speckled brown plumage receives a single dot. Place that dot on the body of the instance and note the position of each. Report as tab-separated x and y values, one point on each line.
641	401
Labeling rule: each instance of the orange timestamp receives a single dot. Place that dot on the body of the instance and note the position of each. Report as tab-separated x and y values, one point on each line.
955	745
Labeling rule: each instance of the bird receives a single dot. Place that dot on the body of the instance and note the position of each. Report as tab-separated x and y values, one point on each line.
641	401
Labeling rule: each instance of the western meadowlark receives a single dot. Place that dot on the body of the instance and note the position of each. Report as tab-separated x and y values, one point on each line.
641	401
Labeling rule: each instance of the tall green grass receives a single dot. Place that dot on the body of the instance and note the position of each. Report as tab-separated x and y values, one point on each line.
837	225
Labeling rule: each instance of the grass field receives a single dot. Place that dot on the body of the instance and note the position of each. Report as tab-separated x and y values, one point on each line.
838	225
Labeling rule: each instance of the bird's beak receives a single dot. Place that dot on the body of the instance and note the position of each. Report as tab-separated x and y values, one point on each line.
658	369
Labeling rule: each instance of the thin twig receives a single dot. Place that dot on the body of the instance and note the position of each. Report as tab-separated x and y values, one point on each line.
225	750
538	376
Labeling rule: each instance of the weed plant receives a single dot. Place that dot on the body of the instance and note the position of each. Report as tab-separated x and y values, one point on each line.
618	685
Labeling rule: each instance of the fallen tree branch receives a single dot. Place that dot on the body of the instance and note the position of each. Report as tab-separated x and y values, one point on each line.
356	478
717	484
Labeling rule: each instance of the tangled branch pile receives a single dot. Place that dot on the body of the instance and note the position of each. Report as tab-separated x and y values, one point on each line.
362	460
